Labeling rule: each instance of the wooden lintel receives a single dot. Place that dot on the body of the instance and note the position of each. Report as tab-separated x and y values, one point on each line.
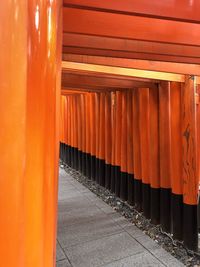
126	72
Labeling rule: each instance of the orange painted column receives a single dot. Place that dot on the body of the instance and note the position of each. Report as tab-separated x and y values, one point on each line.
154	155
190	177
65	130
130	165
97	116
79	123
93	135
176	161
145	148
61	136
69	130
83	119
137	151
113	125
198	130
30	68
165	155
123	160
102	141
108	139
76	132
118	130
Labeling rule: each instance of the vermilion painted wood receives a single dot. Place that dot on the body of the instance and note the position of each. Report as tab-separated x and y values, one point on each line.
132	55
79	128
123	140
154	159
108	129
118	128
136	136
198	131
165	135
102	127
87	121
144	134
130	166
83	44
130	27
189	138
179	10
92	121
84	81
176	142
83	118
113	126
13	89
137	64
97	116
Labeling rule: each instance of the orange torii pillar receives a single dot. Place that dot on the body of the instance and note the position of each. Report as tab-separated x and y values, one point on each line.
123	159
130	163
137	151
176	161
118	130
108	140
93	135
165	155
144	147
30	69
113	125
189	168
154	157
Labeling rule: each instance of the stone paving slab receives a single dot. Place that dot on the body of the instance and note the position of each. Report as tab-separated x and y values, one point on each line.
143	259
91	233
105	250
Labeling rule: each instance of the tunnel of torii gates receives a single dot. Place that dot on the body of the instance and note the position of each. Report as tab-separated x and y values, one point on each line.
126	115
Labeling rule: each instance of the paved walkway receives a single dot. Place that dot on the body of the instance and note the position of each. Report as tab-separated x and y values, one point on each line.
91	233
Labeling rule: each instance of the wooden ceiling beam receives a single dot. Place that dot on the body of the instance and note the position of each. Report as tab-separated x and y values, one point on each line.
126	45
123	72
105	83
130	27
192	69
178	10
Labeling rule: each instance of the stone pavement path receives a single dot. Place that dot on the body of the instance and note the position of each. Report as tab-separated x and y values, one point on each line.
91	233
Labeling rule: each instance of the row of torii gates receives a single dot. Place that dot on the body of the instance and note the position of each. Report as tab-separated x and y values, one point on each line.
126	114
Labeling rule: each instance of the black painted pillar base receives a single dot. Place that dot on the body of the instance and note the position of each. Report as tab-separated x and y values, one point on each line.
177	216
155	205
138	194
64	153
60	154
102	172
93	167
88	165
190	227
97	170
108	176
72	157
165	209
76	158
68	155
123	186
112	180
79	160
146	207
117	181
84	163
130	181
